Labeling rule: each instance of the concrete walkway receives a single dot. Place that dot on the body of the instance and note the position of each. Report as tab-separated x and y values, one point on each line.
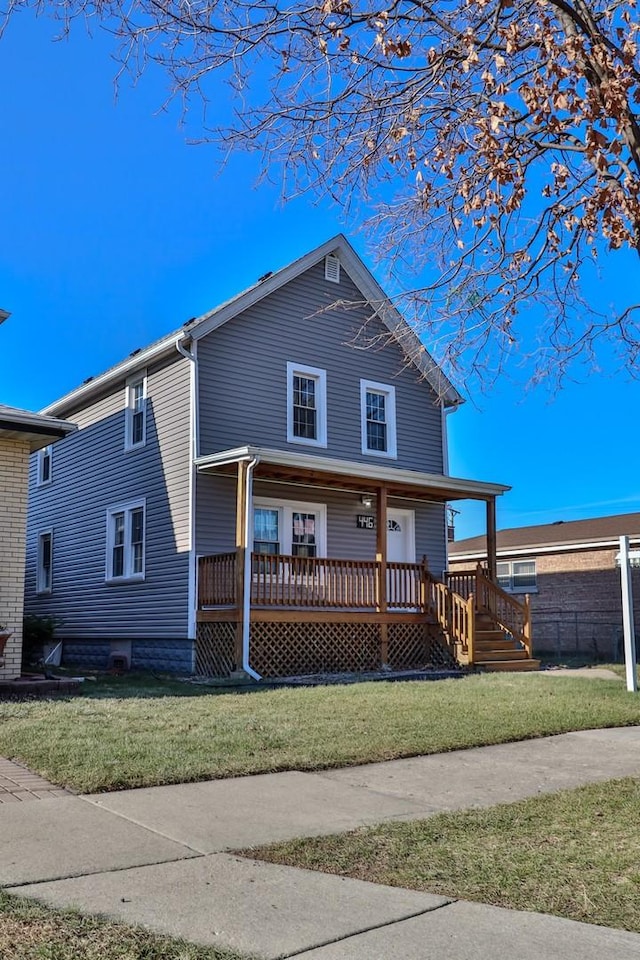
160	857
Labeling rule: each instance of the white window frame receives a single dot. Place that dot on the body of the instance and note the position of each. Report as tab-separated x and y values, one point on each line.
286	509
320	376
41	585
511	588
131	383
389	392
128	575
43	454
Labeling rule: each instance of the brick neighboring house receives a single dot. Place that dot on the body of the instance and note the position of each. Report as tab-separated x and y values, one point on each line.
569	570
21	433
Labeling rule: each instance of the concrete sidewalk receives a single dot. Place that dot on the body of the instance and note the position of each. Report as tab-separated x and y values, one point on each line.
159	856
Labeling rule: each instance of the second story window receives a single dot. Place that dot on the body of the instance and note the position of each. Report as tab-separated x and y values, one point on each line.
125	541
44	465
378	419
306	405
136	412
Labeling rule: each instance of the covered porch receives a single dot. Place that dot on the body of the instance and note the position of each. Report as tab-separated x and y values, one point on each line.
272	612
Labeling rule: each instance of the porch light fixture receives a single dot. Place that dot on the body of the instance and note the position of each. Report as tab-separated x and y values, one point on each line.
367	500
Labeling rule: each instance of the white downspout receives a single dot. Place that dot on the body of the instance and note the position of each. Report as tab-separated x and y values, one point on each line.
246	600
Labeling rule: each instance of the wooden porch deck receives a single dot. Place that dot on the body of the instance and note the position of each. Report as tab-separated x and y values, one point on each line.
319	614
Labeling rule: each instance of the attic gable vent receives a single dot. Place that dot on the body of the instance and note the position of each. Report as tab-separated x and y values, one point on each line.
332	268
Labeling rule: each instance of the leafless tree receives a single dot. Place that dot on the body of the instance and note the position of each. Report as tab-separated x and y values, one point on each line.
493	144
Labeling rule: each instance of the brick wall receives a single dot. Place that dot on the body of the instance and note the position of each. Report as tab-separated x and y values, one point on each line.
577	606
14	466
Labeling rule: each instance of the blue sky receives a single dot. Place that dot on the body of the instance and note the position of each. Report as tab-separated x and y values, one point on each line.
115	230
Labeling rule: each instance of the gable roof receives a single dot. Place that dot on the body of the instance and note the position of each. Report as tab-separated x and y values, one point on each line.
561	535
199	327
16	424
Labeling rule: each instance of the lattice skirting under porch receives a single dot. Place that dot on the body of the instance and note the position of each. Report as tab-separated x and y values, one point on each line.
215	649
300	648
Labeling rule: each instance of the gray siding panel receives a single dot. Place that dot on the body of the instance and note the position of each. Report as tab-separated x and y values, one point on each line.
242	376
216	527
92	472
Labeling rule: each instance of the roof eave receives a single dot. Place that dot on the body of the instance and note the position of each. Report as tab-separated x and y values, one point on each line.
457	488
88	391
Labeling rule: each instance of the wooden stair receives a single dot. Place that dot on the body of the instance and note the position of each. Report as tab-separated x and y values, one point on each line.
496	650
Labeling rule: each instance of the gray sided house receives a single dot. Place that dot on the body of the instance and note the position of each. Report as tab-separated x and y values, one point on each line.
264	490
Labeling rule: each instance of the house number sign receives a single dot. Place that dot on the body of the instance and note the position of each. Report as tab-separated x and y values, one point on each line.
365	521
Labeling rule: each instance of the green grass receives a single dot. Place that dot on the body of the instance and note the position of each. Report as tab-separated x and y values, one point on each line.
575	854
30	931
110	738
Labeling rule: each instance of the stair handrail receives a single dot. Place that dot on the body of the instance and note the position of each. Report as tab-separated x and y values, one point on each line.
455	614
508	612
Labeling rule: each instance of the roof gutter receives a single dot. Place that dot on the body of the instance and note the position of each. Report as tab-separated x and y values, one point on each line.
96	385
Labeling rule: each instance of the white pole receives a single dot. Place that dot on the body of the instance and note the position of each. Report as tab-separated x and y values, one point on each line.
627	617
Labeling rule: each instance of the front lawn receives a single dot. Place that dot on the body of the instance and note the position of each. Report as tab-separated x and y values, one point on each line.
575	854
110	738
30	931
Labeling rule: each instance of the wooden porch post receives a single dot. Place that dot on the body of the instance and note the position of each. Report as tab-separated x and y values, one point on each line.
491	539
381	560
241	547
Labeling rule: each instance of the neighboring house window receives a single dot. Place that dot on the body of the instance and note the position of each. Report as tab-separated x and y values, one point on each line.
306	405
332	268
285	527
517	576
44	576
378	419
125	541
44	465
136	412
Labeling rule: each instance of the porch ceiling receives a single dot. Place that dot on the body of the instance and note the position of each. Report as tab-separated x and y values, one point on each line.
288	467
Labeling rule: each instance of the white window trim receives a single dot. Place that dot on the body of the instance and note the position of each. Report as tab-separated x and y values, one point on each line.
391	453
48	450
40	589
126	508
139	377
286	508
320	376
511	588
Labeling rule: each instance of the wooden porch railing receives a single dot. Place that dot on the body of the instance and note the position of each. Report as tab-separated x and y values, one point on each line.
217	580
286	581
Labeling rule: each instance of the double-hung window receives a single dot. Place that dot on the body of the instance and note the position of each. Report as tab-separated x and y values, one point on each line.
44	574
44	466
517	576
126	541
136	412
285	527
306	405
378	419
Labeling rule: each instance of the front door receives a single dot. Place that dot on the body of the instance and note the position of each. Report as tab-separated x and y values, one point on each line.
401	541
402	586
